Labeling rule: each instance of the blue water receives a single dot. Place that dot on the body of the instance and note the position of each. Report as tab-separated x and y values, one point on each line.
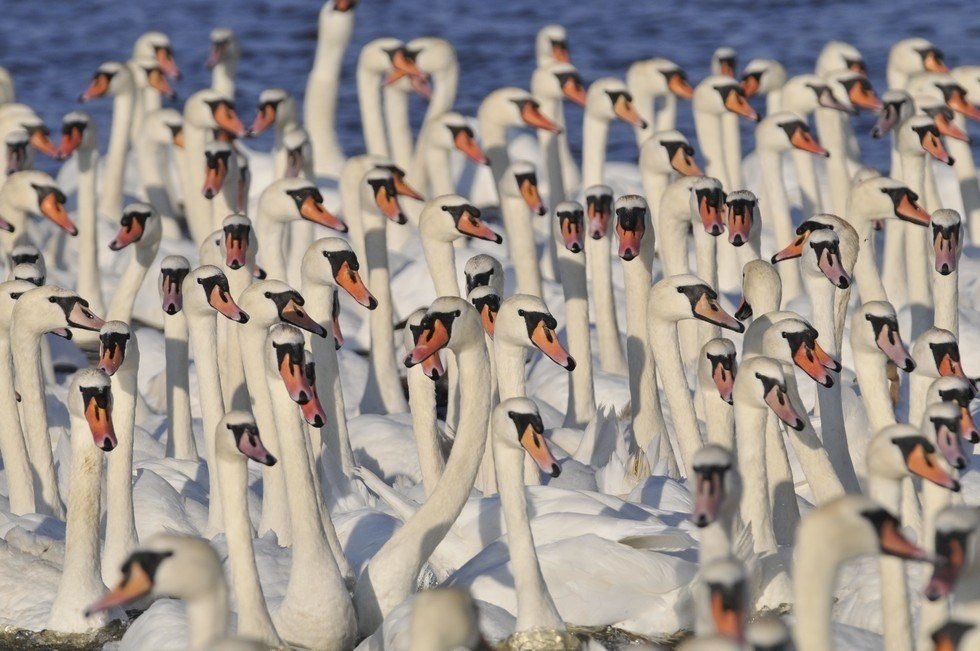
52	48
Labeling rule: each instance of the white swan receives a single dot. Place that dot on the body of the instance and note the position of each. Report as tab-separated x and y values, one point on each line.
20	483
222	60
139	226
520	202
180	436
765	77
657	80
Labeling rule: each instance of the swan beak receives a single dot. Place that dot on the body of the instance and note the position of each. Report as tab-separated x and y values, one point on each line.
629	241
173	297
294	376
422	87
739	224
432	367
794	250
81	317
533	117
156	79
911	211
404	65
862	95
222	301
165	59
178	138
111	357
259	273
469	224
945	247
957	101
98	415
312	210
708	497
488	316
950	444
933	61
829	262
890	342
294	163
546	340
352	283
711	217
529	191
727	611
571	234
949	129
98	87
935	148
803	140
827	99
71	138
948	366
886	121
807	359
574	91
131	231
735	102
466	143
684	164
216	54
136	583
429	341
751	83
707	309
780	405
968	428
264	120
598	219
297	316
53	208
893	543
724	380
386	198
16	155
744	310
236	251
626	111
536	446
559	52
250	444
679	86
952	551
402	188
42	142
227	119
313	412
214	176
727	67
924	464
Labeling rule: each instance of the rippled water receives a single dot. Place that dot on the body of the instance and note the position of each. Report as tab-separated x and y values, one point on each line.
53	47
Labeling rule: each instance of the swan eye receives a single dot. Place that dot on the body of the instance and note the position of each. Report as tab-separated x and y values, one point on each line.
268	294
519	312
52	299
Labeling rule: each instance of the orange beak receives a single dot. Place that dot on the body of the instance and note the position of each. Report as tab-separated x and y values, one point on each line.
911	211
264	120
351	281
98	87
52	208
403	189
707	309
429	342
735	102
863	96
222	301
99	419
41	142
724	381
236	251
727	68
925	465
294	313
625	111
809	361
895	544
574	91
489	318
708	498
711	217
473	226
750	84
957	102
312	210
129	233
780	405
110	359
70	140
572	235
802	139
466	143
728	621
165	59
559	52
388	204
535	445
949	129
533	117
945	252
949	366
178	138
684	164
214	177
432	367
739	225
934	146
832	267
546	340
135	584
794	250
933	62
228	120
313	412
293	375
679	86
629	242
529	190
968	428
83	318
157	80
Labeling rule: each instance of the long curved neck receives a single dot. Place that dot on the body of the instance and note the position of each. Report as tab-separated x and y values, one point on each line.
778	214
896	618
815	575
873	379
115	163
493	135
270	232
19	482
666	118
180	436
223	76
806	174
946	300
207	617
81	571
509	361
438	171
422	401
750	424
581	391
642	369
88	285
196	207
320	99
671	371
440	257
719	416
535	607
595	133
120	527
654	185
866	274
369	94
124	298
399	128
710	143
733	150
445	85
550	146
832	137
521	243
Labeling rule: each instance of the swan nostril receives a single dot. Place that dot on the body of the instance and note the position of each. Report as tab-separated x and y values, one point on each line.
302	398
107	445
317	421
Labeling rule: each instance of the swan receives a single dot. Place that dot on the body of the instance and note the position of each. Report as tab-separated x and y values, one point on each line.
500	110
724	61
663	155
151	48
717	489
966	77
936	354
909	56
119	357
422	400
569	230
276	107
844	529
139	226
222	61
724	598
714	97
744	225
30	193
180	436
435	57
635	233
389	577
651	80
13	449
551	44
875	340
161	131
717	367
840	55
239	246
220	179
380	57
765	77
519	194
335	27
444	220
444	134
673	299
23	131
947	245
186	568
90	409
37	312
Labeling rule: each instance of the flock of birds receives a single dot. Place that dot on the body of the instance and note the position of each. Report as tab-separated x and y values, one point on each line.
449	488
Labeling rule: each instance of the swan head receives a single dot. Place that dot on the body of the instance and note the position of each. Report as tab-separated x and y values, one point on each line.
955	634
29	271
237	435
896	107
52	309
517	425
558	81
900	451
551	45
784	131
114	337
217	156
707	200
883	198
715	484
450	322
685	296
525	321
449	131
937	354
237	240
390	57
173	270
571	225
718	94
724	61
806	93
331	261
598	208
432	366
728	596
299	151
874	326
761	384
288	200
77	132
378	187
609	99
942	116
31	131
855	526
762	76
955	543
110	78
668	151
845	233
919	136
838	55
15	143
718	362
483	269
659	77
209	109
273	301
942	425
742	216
958	391
946	87
90	402
175	565
36	193
287	354
276	106
10	291
857	90
794	340
224	48
487	302
822	256
515	107
149	74
433	55
912	55
450	216
761	286
140	226
632	219
156	45
205	290
525	185
27	253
